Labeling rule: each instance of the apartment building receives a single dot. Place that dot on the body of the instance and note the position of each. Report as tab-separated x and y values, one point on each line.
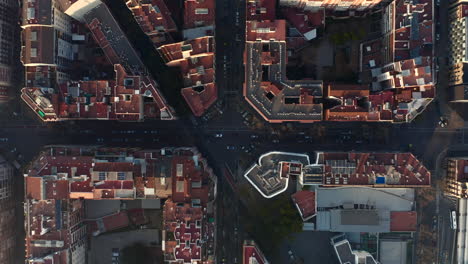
8	24
61	178
457	51
457	176
46	42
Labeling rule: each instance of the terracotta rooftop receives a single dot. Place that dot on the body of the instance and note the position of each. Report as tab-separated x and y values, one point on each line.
122	98
108	223
261	10
305	203
154	18
65	173
199	13
266	30
403	221
304	22
406	63
252	254
119	99
200	99
352	106
376	169
271	174
397	68
186	49
47	235
184	222
62	176
266	87
195	59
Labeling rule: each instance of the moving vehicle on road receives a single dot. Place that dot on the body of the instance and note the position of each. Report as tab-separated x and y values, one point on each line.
453	220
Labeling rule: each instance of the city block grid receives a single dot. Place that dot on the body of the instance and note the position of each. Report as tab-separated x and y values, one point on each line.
302	63
62	179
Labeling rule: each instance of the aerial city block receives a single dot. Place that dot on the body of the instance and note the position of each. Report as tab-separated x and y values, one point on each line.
233	131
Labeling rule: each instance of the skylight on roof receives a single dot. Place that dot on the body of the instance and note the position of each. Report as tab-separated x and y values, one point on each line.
201	11
33	52
31	13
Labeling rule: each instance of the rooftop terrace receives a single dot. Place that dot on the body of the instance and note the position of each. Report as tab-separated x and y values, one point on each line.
305	203
397	69
199	13
266	87
271	175
154	18
251	254
195	59
184	222
131	96
360	209
62	176
64	173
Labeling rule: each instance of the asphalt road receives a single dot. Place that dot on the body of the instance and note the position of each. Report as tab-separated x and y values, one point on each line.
21	139
446	235
23	142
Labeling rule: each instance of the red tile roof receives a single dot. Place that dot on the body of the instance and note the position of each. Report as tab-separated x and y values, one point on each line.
47	223
57	190
108	223
189	248
74	178
252	252
376	169
186	49
266	30
81	186
116	99
68	173
184	222
349	109
195	58
34	188
305	203
304	21
261	10
403	221
199	13
199	102
114	185
39	49
407	41
113	166
154	18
